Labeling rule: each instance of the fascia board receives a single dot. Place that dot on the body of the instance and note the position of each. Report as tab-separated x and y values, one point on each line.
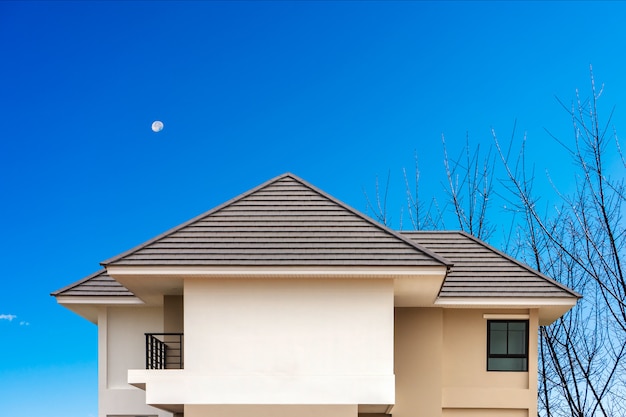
505	301
550	308
90	299
204	271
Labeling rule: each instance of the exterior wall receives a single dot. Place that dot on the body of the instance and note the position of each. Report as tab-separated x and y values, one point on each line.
441	366
418	367
482	412
173	317
315	346
281	341
121	346
271	411
289	327
466	382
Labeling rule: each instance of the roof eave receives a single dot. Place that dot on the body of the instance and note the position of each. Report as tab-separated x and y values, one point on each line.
523	265
59	292
550	308
365	271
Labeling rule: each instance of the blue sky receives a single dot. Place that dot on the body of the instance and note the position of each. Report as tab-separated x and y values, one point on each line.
339	93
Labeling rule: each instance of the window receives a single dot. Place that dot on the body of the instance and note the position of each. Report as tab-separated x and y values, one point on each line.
507	345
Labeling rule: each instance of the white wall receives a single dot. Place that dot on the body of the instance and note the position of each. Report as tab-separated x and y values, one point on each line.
270	411
121	347
289	327
281	341
126	341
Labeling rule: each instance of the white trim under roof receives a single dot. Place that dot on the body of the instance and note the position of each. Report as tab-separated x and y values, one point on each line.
511	302
413	286
101	300
282	271
506	316
549	308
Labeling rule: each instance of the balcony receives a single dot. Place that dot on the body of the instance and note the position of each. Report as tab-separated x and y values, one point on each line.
168	386
164	351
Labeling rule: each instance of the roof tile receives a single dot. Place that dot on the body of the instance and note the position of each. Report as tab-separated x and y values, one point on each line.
98	284
480	270
284	222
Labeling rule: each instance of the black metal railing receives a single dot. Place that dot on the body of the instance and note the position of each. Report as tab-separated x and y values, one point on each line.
164	351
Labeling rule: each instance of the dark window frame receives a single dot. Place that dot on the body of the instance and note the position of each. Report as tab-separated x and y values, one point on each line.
508	355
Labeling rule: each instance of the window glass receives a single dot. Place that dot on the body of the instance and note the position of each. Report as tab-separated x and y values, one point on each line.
507	364
507	345
517	341
498	342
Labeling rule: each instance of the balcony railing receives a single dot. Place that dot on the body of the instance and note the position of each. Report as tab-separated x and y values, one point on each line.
164	351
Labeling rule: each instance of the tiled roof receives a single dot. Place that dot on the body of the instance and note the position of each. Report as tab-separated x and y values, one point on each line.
479	270
288	222
284	222
97	284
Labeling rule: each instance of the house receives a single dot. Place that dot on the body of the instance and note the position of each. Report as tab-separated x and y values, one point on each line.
285	302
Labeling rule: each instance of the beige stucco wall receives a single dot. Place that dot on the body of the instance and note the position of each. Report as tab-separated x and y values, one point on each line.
418	355
483	412
441	366
465	352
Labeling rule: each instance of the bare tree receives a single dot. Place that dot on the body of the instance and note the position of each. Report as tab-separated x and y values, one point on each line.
469	189
378	206
580	242
421	216
578	239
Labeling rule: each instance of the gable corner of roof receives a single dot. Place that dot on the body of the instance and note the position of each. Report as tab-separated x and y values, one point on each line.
60	291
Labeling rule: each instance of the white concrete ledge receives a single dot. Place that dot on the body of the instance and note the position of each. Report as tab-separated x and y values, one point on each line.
185	387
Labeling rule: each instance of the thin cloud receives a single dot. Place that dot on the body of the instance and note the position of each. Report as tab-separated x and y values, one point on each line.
8	317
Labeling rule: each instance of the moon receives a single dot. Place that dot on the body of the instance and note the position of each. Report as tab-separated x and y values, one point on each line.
157	126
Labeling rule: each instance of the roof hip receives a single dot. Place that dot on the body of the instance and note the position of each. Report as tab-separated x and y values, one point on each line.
283	221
